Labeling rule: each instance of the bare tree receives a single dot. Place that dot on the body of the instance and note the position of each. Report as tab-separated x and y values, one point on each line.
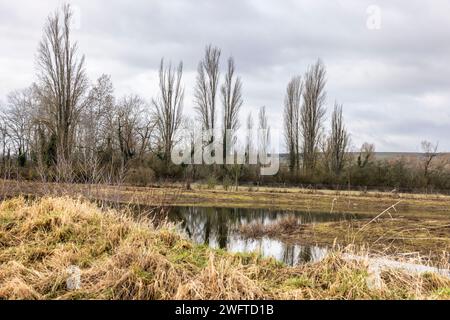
366	154
188	134
338	140
232	102
249	144
291	117
97	115
264	135
129	115
63	81
429	153
168	108
206	87
94	130
236	170
18	121
6	161
312	113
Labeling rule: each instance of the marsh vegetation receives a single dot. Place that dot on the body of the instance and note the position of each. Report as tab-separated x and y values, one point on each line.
120	258
88	183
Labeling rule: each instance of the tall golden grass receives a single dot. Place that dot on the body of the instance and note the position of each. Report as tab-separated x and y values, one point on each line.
122	258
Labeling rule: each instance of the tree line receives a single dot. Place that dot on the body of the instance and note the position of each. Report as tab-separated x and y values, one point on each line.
64	129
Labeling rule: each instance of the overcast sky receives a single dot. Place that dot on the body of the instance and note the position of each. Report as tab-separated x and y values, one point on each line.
392	74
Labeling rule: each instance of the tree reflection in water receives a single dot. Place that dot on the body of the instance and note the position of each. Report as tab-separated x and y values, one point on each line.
217	227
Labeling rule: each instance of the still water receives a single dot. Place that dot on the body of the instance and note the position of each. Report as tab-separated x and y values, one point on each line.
218	228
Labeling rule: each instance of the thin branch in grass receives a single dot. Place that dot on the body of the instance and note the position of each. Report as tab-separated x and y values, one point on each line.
378	216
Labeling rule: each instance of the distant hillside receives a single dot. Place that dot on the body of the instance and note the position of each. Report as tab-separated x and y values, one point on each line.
284	157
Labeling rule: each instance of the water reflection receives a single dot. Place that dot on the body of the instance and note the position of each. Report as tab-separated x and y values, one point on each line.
217	227
288	253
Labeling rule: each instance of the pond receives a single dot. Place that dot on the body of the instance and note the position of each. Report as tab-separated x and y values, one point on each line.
219	228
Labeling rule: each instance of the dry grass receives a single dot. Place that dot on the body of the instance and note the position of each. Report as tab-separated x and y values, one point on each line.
284	226
121	258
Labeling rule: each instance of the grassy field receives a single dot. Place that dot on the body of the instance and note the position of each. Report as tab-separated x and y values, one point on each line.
433	206
121	258
419	224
